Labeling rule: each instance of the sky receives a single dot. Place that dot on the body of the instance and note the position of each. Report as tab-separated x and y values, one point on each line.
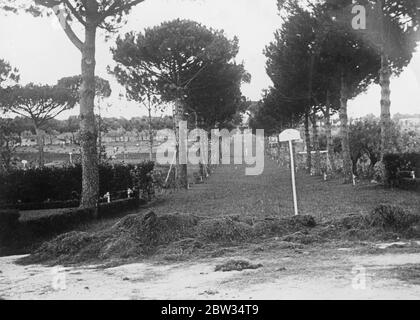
39	48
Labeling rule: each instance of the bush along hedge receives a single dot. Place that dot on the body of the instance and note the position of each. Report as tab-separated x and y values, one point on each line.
45	188
403	170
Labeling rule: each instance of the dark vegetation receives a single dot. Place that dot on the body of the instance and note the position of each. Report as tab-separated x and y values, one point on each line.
39	221
55	187
400	169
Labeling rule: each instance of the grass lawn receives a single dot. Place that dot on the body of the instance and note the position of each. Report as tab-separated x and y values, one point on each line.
229	191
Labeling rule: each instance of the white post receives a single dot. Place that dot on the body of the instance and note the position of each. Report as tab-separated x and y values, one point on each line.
108	197
292	168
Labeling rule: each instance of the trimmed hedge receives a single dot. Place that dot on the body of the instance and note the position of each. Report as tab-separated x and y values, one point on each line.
397	166
45	187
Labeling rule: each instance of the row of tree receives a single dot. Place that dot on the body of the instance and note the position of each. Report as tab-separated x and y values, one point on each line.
181	61
328	52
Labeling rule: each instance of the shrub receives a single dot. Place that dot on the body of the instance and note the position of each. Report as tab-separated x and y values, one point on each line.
379	172
142	179
41	185
395	163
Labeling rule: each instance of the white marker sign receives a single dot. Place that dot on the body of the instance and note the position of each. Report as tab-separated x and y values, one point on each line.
291	135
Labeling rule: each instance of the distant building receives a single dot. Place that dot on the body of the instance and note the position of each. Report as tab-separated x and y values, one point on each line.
27	139
66	138
163	135
409	124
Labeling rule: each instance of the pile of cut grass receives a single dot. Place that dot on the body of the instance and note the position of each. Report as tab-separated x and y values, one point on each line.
132	236
143	235
237	265
383	223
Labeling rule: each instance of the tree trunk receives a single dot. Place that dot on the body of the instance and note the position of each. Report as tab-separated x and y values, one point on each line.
385	75
182	167
330	142
88	132
99	138
307	134
150	134
317	162
345	145
308	144
40	144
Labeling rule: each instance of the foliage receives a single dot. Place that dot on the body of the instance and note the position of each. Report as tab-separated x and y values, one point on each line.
392	28
215	95
102	87
40	103
7	73
273	114
182	60
395	163
144	179
91	16
365	133
364	137
109	14
8	143
288	68
379	172
52	184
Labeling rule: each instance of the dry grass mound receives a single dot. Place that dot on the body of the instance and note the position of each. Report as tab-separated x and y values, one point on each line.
383	223
72	245
132	236
302	237
224	230
237	265
392	218
285	226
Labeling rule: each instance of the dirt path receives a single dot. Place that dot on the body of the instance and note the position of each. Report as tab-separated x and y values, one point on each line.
314	273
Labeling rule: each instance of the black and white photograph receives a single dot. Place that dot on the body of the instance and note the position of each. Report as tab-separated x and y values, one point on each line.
209	154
